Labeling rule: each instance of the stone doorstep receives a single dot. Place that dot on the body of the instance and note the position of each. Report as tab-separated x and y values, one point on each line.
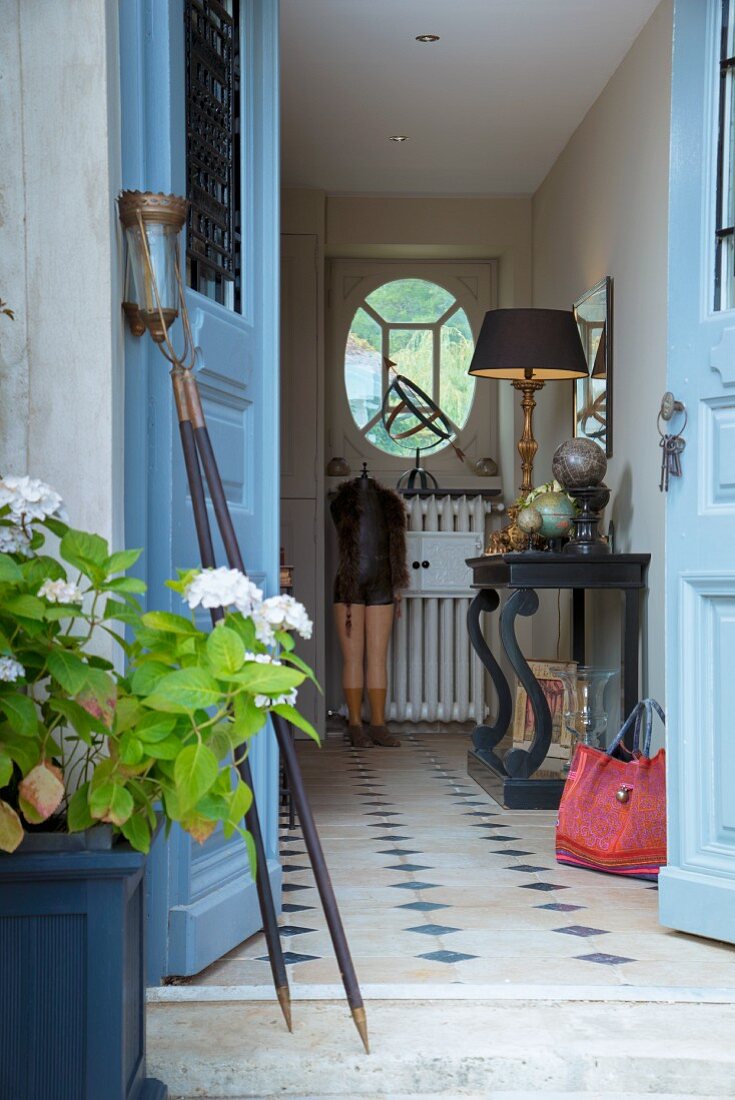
449	1049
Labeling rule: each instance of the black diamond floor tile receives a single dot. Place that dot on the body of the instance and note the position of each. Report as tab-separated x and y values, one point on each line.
542	886
485	813
433	929
294	930
526	868
409	867
291	867
487	824
288	886
290	957
423	906
446	956
511	852
292	907
581	930
412	885
606	960
399	852
394	836
504	837
560	907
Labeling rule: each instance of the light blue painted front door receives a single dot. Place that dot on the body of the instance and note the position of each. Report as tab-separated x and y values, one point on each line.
697	889
202	899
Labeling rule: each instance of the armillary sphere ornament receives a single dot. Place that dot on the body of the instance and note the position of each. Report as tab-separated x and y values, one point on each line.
409	414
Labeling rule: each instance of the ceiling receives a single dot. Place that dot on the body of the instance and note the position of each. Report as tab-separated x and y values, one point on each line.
487	109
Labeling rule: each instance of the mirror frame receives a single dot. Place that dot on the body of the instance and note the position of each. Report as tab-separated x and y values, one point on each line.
606	284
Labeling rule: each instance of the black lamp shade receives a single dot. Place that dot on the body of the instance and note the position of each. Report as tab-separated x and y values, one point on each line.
529	343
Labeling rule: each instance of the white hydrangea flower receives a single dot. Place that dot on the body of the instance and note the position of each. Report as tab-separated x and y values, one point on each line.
262	658
13	540
10	670
60	592
266	701
223	588
281	613
29	498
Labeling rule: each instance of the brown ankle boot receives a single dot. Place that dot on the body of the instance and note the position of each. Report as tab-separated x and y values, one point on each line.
358	738
381	735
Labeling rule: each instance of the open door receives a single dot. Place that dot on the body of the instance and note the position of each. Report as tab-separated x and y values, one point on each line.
697	889
199	89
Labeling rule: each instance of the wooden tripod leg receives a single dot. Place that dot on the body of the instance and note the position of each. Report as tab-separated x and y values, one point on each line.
252	820
293	771
323	880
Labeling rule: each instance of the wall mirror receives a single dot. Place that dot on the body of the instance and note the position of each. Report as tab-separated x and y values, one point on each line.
593	395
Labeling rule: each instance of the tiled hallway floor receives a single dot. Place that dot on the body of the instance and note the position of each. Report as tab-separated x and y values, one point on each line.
439	885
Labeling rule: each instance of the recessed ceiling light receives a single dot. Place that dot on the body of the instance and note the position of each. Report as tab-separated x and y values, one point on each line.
398	137
427	37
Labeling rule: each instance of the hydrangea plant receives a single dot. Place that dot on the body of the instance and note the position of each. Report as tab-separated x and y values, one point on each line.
82	742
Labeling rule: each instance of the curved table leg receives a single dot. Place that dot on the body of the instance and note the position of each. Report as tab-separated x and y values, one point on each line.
519	762
485	738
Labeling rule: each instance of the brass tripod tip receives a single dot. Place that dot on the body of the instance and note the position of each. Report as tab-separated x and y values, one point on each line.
284	1000
360	1019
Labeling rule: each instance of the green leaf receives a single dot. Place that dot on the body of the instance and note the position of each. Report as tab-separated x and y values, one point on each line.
248	719
168	749
121	560
10	571
267	679
250	845
131	749
121	612
245	628
154	727
285	640
81	721
68	670
6	769
24	751
137	831
84	551
99	695
5	646
111	802
195	771
25	607
56	526
185	690
225	651
295	660
11	829
125	584
292	715
78	815
20	711
147	676
241	800
167	621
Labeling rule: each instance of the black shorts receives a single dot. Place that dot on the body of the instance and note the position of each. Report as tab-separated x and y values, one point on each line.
374	586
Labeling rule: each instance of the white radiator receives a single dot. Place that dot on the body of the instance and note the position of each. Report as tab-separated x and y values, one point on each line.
433	674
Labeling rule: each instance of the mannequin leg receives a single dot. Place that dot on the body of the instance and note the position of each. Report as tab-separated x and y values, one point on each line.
378	626
353	657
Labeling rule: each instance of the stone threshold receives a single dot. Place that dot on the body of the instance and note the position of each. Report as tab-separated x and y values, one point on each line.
207	994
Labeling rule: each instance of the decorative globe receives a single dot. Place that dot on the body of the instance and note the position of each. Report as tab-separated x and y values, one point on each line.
530	520
556	511
579	463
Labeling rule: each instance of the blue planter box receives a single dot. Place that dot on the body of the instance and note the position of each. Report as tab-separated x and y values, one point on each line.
72	1006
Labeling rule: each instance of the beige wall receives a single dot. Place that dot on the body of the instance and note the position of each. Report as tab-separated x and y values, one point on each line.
61	361
602	210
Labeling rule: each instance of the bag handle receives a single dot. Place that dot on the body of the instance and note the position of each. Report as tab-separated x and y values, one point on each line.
641	713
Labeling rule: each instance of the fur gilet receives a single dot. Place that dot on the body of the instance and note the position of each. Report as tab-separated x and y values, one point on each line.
347	510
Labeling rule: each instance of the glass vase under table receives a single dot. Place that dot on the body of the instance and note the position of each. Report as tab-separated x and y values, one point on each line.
525	778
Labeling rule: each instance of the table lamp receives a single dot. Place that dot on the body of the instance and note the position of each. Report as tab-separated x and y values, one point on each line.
529	347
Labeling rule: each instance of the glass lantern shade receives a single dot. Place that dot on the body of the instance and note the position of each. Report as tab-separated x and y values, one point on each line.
152	223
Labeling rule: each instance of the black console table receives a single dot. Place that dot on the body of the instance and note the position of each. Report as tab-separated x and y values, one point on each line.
519	779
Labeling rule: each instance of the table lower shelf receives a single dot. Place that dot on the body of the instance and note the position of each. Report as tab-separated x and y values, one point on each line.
540	791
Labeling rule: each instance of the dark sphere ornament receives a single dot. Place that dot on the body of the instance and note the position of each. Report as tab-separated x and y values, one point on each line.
579	463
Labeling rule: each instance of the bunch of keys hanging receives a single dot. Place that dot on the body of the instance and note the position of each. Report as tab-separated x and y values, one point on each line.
671	443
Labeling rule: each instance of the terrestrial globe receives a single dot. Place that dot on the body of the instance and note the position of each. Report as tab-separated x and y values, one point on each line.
579	463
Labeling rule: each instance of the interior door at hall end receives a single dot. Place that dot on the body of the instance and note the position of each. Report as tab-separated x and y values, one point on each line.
697	889
199	95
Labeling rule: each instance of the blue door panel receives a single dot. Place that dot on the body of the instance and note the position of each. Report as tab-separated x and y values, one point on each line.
202	901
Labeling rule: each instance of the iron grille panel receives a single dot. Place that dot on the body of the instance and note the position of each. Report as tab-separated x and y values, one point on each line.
212	143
